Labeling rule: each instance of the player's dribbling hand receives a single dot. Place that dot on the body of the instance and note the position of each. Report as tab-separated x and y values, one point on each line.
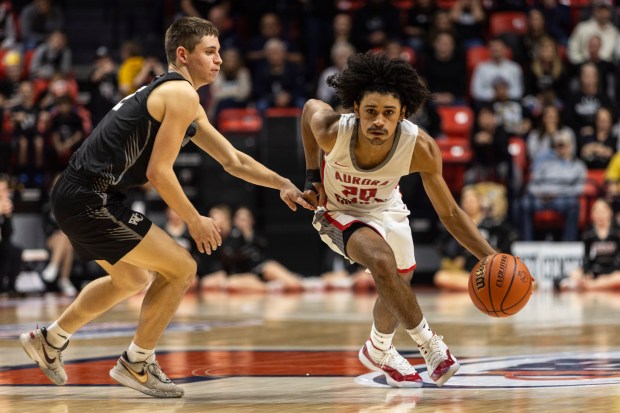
291	196
317	196
206	234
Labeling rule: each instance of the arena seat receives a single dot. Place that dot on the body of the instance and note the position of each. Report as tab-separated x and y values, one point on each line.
445	4
475	55
239	120
456	121
456	155
512	22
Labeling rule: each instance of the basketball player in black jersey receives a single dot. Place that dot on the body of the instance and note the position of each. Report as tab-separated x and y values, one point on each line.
136	142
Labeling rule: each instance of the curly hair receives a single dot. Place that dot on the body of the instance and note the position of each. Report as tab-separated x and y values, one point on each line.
376	72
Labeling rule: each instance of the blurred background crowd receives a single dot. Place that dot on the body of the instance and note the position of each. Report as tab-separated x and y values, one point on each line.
525	112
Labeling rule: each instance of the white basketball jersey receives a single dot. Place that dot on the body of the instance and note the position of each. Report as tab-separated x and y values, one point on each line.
350	188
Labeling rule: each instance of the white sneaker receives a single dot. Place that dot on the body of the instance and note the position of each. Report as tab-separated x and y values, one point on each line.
47	357
440	364
145	376
397	370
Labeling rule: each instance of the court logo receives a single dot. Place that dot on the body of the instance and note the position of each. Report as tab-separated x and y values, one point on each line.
545	370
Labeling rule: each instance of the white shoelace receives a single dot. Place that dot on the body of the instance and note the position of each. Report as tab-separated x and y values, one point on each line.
396	361
433	352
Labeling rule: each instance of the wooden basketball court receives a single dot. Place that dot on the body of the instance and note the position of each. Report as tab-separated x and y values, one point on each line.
298	353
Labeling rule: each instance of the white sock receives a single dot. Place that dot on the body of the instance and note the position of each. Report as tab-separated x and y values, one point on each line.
56	336
380	342
136	353
422	333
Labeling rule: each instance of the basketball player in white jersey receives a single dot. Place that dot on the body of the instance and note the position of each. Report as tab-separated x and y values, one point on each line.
361	214
138	141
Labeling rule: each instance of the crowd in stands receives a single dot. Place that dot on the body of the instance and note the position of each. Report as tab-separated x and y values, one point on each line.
537	82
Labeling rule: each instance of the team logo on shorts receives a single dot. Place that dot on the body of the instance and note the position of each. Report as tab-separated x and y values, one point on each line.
135	218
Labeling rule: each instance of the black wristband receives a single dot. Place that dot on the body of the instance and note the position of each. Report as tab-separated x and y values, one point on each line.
313	175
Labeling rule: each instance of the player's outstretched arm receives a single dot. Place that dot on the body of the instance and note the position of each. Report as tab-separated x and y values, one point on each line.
427	161
319	130
242	165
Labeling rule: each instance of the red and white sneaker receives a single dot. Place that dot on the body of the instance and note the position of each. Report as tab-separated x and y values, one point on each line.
397	370
440	364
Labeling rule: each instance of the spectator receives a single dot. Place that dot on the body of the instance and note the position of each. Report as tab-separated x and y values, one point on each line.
601	259
342	29
546	75
469	19
457	262
606	70
37	21
103	85
198	8
582	105
9	83
66	131
540	138
53	56
240	263
28	137
556	182
277	82
612	186
271	29
419	21
449	86
497	66
600	25
375	23
8	29
10	254
597	149
339	56
530	41
151	68
132	61
251	258
509	113
232	88
489	142
557	19
61	252
229	37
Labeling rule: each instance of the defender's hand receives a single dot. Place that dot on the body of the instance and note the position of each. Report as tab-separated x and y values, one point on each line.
206	234
291	196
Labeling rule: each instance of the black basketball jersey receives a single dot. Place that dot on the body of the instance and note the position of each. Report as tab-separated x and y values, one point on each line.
116	154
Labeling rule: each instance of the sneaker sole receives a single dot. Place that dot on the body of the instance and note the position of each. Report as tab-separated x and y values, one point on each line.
132	384
399	384
34	355
451	371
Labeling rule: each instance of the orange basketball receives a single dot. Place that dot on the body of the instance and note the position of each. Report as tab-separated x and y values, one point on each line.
500	285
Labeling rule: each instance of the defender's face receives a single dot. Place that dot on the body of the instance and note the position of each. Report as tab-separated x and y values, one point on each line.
204	61
379	114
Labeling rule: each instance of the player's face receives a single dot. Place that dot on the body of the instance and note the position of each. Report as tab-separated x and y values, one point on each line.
379	114
204	61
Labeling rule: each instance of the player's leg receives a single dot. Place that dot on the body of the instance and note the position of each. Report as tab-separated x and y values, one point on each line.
44	345
175	270
368	248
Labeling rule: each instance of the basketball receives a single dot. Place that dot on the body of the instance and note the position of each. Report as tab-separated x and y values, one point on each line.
500	285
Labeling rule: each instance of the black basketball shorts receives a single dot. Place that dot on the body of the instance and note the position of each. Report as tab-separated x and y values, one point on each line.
99	225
